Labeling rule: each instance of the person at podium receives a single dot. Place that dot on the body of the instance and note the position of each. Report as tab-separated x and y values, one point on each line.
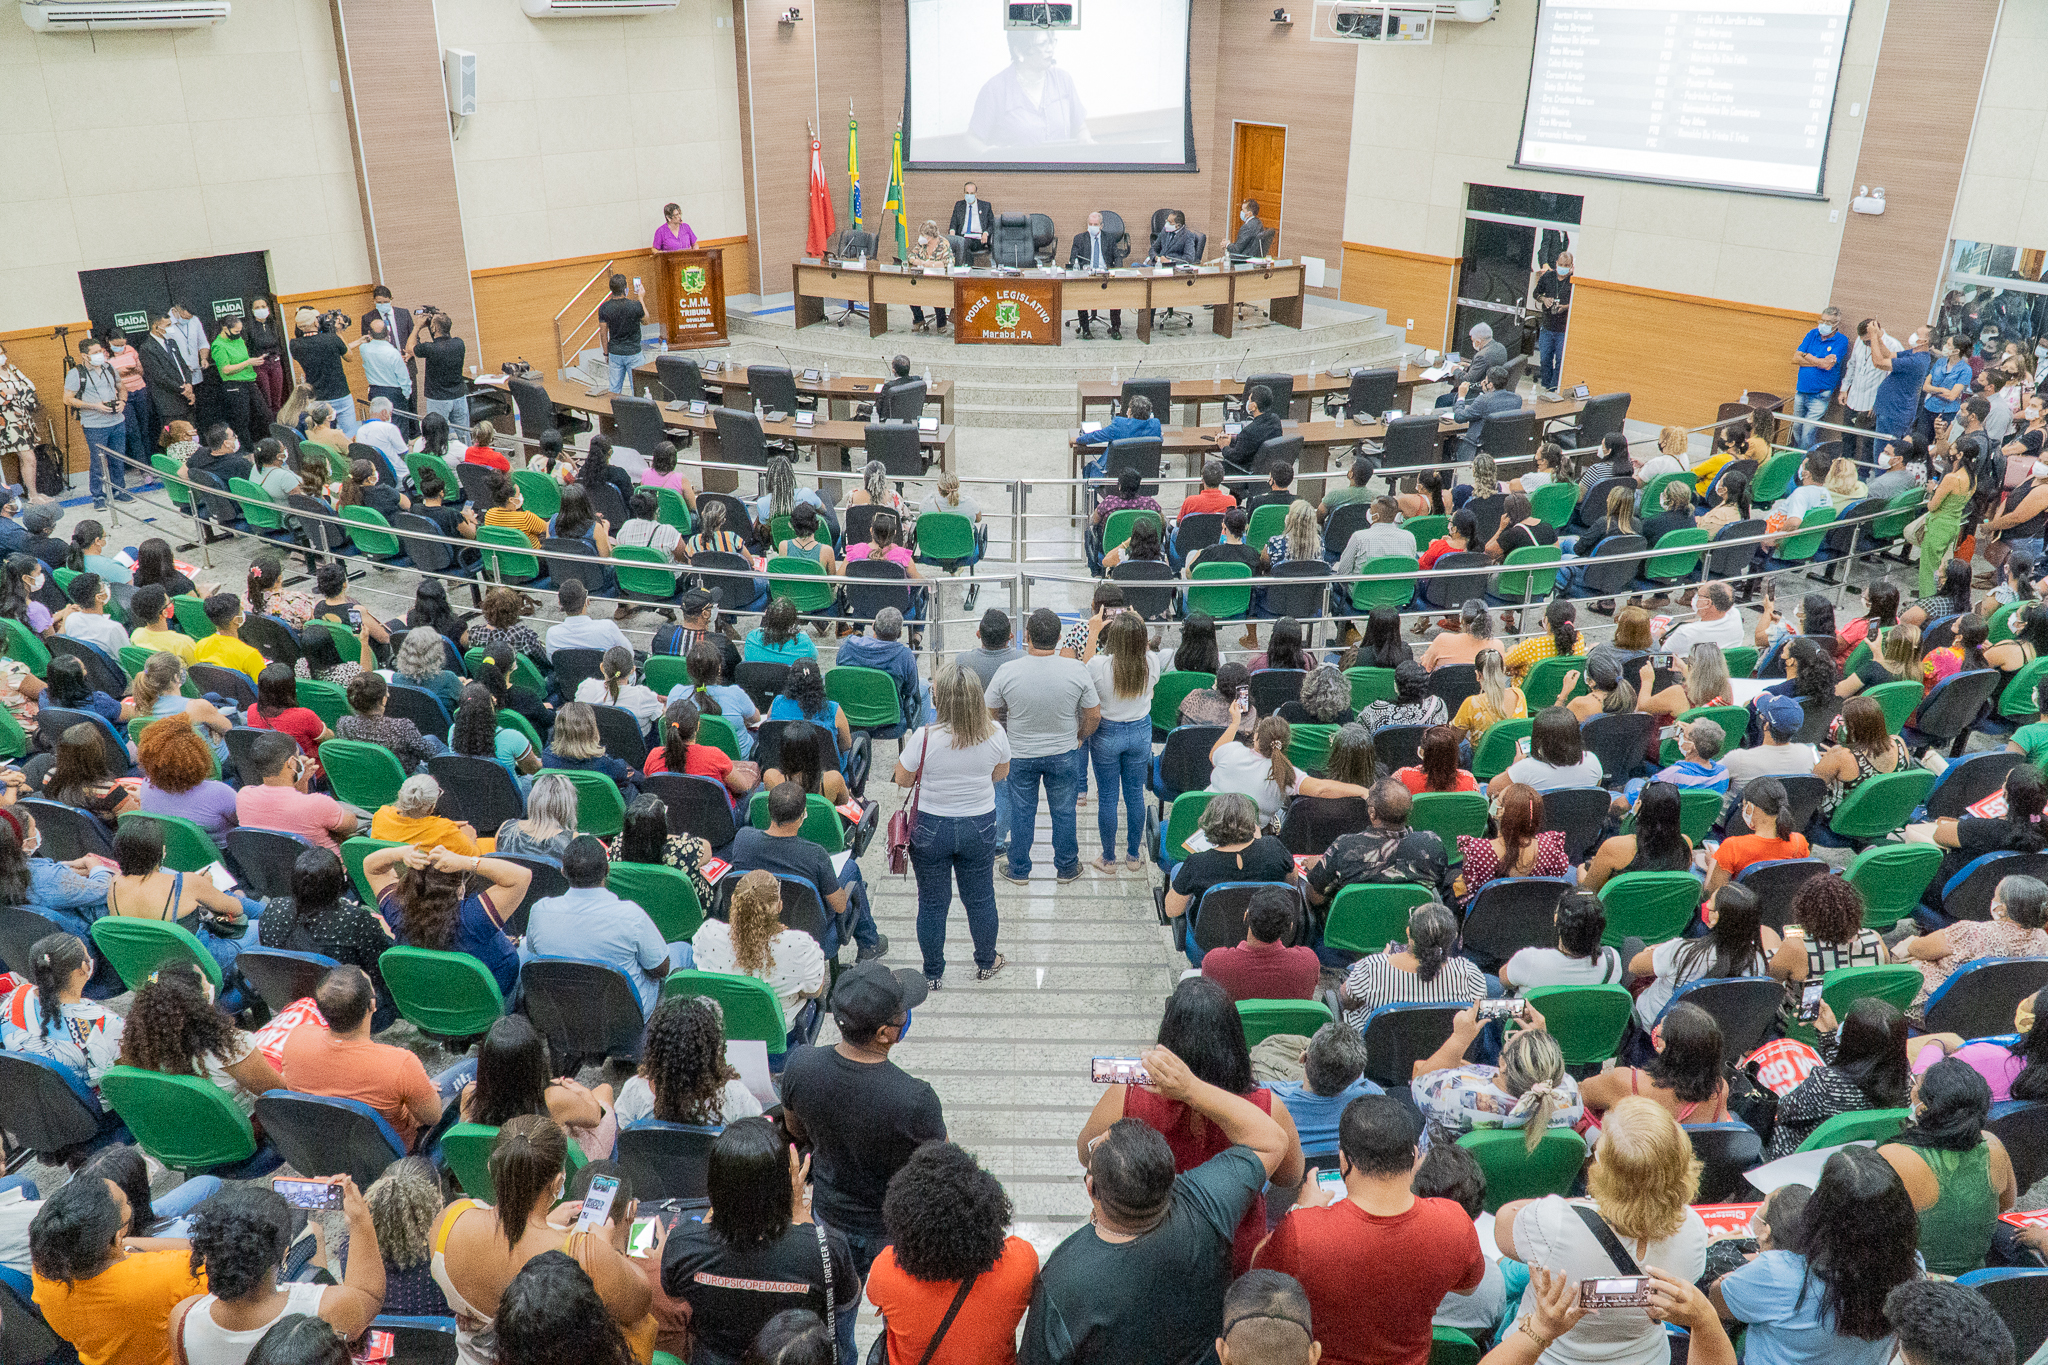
674	234
933	249
1093	250
1176	245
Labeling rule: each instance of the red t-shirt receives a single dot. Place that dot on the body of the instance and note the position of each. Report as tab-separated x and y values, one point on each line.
1416	781
1437	549
1739	852
1207	500
1264	971
702	761
487	457
985	1330
1374	1283
296	721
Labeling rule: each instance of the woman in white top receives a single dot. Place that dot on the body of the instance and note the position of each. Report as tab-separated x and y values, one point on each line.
684	1076
1642	1180
78	1033
240	1236
618	684
1740	945
175	1028
957	764
754	943
1261	770
1125	670
1557	756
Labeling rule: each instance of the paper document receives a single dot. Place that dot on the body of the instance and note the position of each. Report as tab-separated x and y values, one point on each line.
749	1057
1430	376
840	860
1800	1168
222	878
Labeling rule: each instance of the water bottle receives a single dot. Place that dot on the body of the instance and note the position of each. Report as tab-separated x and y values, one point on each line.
758	414
1217	376
1116	374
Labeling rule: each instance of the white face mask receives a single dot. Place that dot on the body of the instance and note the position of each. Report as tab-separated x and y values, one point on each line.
34	584
119	347
970	196
1913	340
261	313
1827	329
1564	272
1095	229
29	846
922	240
96	358
1244	215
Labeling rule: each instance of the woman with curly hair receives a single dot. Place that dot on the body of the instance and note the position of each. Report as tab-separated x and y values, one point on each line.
803	698
946	1218
239	1238
422	895
175	1028
1827	932
514	1077
552	1312
1325	698
504	627
683	1075
755	943
645	838
405	1203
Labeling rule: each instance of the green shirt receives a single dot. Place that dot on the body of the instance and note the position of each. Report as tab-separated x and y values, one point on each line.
1345	493
231	359
2033	740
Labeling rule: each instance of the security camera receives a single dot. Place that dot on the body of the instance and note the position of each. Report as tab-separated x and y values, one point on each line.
1281	16
791	15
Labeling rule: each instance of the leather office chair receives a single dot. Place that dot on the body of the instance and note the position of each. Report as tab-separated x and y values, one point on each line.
1012	243
1045	238
1118	237
901	400
855	243
1372	393
962	255
1286	448
897	447
740	438
1509	435
636	424
1158	392
774	387
681	378
537	411
1159	226
1281	386
1152	249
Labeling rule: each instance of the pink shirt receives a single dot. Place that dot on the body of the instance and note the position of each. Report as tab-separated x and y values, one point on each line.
292	811
654	479
896	554
667	238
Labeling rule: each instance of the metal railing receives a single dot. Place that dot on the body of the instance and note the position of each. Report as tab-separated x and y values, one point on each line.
561	349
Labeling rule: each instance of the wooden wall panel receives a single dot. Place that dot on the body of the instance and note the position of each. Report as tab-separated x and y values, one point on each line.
1680	356
1408	284
1890	266
853	51
39	353
353	300
405	161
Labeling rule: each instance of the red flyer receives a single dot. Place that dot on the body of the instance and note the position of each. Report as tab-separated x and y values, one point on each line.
1726	1220
715	868
1784	1064
1991	807
2028	1218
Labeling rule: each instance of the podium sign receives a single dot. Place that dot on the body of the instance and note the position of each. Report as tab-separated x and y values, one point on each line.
1013	311
691	297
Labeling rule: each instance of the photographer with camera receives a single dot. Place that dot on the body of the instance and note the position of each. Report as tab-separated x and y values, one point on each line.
442	386
319	348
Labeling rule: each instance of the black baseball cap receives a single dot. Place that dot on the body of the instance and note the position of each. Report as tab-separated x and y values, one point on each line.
697	599
870	995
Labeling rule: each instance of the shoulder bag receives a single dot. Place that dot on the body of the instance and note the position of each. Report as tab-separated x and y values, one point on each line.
903	824
879	1353
1624	1263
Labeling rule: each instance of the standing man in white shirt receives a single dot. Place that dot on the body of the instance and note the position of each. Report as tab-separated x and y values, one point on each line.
578	629
1859	389
384	368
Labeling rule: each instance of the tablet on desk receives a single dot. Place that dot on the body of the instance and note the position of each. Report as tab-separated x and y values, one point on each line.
698	407
812	376
805	419
927	424
1581	392
1232	428
860	388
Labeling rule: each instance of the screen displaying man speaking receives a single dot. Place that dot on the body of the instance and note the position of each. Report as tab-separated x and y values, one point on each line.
1111	91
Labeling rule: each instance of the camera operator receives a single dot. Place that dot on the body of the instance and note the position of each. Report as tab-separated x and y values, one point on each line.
318	346
442	386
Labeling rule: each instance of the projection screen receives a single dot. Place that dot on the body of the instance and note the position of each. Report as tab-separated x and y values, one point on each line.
1734	96
1110	93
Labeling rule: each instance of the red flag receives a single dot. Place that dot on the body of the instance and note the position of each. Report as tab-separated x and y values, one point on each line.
820	234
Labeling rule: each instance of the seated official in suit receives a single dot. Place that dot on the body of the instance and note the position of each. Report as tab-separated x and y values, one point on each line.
1262	426
1494	396
1093	250
1137	421
1176	244
974	219
1486	353
1251	238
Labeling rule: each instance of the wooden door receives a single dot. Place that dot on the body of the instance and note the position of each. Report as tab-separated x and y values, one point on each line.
1258	171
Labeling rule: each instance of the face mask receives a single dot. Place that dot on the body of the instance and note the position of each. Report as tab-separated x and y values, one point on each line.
1244	216
120	346
970	196
33	584
32	845
96	358
1827	329
1913	340
922	240
1094	230
261	313
1564	272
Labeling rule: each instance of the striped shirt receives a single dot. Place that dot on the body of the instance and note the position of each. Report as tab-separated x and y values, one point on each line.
1376	981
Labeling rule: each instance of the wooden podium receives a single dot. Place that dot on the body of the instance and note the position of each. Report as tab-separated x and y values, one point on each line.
689	297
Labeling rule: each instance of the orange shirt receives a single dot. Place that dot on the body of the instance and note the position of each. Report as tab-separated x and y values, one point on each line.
1739	852
122	1316
1207	500
423	831
985	1330
382	1076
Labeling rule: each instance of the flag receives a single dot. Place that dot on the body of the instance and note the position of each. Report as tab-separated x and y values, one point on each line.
893	206
853	164
819	237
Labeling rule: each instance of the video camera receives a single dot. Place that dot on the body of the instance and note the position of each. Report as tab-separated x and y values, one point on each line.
334	320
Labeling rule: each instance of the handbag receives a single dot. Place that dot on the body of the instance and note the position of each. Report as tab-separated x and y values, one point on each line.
903	824
1916	530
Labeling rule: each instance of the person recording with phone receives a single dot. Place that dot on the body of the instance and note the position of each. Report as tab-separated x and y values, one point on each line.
240	1236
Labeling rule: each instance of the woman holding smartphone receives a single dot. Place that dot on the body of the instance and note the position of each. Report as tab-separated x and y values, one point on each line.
240	1236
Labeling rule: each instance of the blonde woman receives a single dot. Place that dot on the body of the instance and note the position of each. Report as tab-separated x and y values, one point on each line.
295	406
960	764
947	496
1260	770
1299	538
1485	479
158	691
1670	457
550	821
1125	668
1642	1181
934	251
1842	484
1498	699
1529	1090
1702	681
1898	659
754	943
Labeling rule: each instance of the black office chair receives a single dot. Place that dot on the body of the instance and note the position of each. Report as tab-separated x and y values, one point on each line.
681	378
1045	239
1413	441
740	439
1372	393
428	556
1509	435
898	448
856	244
1150	603
1156	391
536	411
1281	386
636	424
901	400
1146	454
962	254
774	388
1603	413
1280	450
477	481
1012	242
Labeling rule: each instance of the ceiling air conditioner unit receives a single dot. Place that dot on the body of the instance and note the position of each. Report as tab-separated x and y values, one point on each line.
102	16
592	9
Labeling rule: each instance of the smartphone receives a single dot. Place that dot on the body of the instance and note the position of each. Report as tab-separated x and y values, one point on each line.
1503	1009
1622	1291
1809	1001
308	1194
1332	1181
1661	660
1118	1071
597	1203
640	1236
1244	696
1522	746
1668	732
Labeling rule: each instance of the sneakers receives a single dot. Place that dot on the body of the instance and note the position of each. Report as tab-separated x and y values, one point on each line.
874	950
1074	876
1014	879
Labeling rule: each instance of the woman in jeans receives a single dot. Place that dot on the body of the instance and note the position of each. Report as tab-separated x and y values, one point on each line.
1125	672
956	763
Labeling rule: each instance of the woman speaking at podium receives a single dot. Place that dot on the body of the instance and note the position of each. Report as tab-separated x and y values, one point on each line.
674	234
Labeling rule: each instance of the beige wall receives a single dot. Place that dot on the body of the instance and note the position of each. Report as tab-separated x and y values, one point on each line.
1436	118
586	127
2004	195
129	148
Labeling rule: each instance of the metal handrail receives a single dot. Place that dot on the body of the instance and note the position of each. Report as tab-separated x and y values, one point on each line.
560	355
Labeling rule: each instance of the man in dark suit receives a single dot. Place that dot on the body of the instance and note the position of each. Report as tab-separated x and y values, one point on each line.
1094	250
1251	238
900	378
1237	451
397	321
165	372
973	218
1176	244
1494	396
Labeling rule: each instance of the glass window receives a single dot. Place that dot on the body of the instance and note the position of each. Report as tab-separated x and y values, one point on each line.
1545	204
1996	294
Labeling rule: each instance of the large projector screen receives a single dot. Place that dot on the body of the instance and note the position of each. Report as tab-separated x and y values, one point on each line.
1735	95
1110	93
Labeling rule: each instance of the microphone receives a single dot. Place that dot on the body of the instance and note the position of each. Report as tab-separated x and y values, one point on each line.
1234	375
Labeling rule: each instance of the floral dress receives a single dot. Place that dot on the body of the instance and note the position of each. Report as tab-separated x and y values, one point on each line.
17	411
685	853
1971	939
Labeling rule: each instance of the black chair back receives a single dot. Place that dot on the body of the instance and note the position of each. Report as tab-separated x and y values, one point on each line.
1197	531
1399	1036
271	637
1279	450
762	682
1272	688
322	537
855	243
241	742
1940	633
279	976
1150	603
1512	913
768	743
535	409
1580	812
561	569
1486	512
681	378
102	673
667	1160
476	481
1454	683
1413	440
1012	243
875	584
213	498
1158	391
2021	1301
1978	1000
1372	393
49	1111
773	387
53	721
1184	761
263	859
1398	746
544	879
1836	541
1593	502
622	733
1219	915
731	576
1603	414
1607	575
696	805
403	701
1732	561
1045	237
231	683
896	445
321	1136
1803	794
1455	577
802	910
1345	522
1967	781
572	666
1280	386
1725	1152
1618	740
1746	1008
636	424
1509	435
901	400
740	439
428	556
21	926
478	790
2023	1128
1956	703
1299	600
585	1010
606	502
25	1336
1142	453
1313	822
68	832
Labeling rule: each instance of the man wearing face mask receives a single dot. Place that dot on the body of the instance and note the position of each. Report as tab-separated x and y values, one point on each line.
973	218
1822	357
384	369
1554	303
1175	244
220	455
237	371
1905	371
165	370
935	250
1094	250
1251	238
94	392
